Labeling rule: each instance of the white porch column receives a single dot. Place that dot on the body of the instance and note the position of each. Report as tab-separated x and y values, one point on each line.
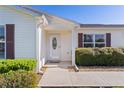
41	22
74	44
39	31
38	47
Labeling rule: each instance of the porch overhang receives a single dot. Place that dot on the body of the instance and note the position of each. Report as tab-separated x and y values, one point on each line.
60	26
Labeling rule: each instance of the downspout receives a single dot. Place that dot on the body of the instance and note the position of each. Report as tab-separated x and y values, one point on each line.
74	45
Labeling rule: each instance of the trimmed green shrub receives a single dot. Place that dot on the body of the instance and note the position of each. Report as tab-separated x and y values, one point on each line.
18	79
2	81
106	56
84	56
17	64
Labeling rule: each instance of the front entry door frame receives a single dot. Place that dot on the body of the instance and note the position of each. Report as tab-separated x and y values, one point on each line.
54	53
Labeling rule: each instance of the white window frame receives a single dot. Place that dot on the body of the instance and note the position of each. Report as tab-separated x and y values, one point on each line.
4	41
94	42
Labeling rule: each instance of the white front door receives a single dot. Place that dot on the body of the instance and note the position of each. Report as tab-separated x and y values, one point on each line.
54	47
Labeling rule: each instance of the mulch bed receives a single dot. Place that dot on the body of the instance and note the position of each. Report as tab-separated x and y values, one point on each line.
101	68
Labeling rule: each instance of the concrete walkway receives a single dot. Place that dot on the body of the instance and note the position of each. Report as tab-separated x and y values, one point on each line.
58	75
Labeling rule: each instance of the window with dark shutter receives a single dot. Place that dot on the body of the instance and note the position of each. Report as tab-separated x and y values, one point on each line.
80	39
94	40
10	41
108	39
2	42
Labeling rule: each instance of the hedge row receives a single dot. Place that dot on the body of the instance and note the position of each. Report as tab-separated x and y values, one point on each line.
18	79
100	56
17	64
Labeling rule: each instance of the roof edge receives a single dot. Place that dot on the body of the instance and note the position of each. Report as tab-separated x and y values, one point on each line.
41	12
100	25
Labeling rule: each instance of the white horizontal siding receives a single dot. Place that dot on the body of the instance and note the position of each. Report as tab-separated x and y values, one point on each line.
25	27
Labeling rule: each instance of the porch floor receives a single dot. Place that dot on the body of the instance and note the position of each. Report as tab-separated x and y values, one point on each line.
58	75
58	64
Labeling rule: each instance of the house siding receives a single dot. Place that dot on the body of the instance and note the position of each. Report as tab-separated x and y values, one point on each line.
25	31
117	34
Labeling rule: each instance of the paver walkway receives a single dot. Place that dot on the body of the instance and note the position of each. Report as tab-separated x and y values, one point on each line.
58	75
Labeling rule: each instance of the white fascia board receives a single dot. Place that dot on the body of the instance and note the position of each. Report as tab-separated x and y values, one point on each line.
22	10
56	18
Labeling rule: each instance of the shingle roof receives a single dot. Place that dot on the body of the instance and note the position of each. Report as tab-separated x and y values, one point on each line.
30	9
100	25
40	12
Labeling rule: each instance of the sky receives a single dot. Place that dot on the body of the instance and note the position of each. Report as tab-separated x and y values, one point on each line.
87	14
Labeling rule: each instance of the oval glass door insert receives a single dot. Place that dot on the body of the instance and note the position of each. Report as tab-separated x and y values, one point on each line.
54	43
